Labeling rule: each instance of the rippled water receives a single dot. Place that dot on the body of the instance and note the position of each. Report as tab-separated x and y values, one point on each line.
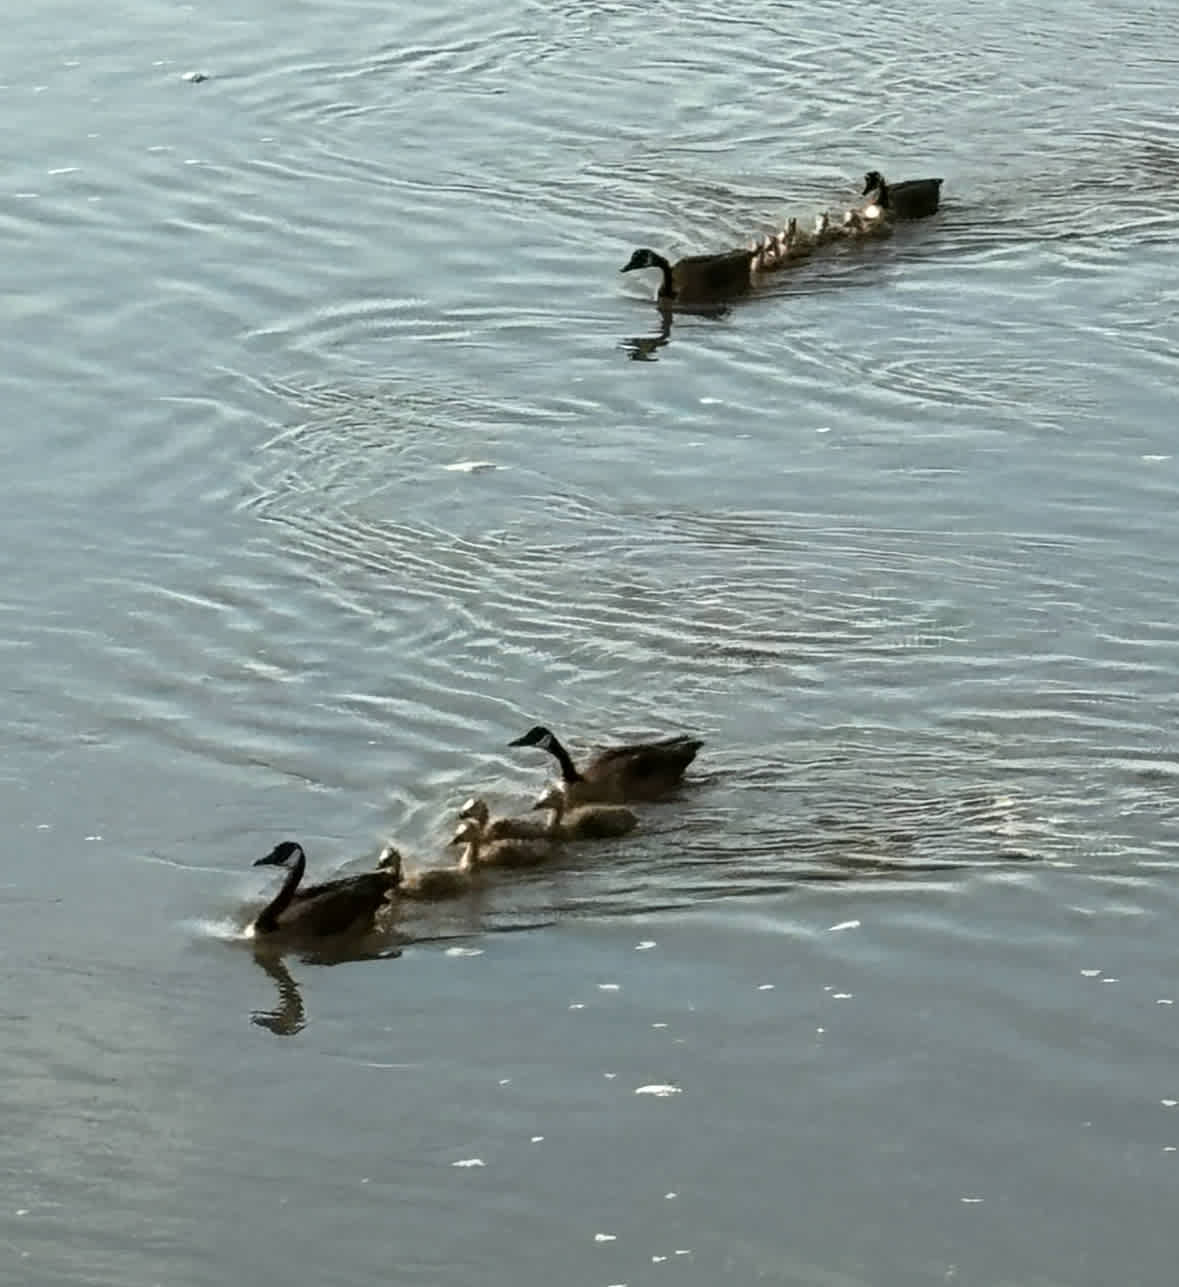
329	468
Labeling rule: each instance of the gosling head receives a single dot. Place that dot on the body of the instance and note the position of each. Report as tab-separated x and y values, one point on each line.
538	735
551	798
390	861
468	833
476	809
282	855
872	180
641	259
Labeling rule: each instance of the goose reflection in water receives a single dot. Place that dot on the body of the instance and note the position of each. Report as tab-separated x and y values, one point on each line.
289	1016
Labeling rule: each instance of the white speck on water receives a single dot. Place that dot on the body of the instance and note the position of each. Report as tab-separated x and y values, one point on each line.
577	1005
645	946
683	1251
93	837
605	1237
195	77
1164	1001
1169	1148
668	1196
609	1076
659	1025
470	1161
22	1211
844	925
658	1260
536	1139
970	1201
44	826
505	1081
662	1089
464	951
1091	974
1169	1103
1107	980
1154	460
823	429
66	169
765	987
609	987
472	466
842	996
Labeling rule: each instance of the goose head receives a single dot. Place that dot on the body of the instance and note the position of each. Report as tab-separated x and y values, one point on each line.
283	854
872	180
538	735
640	259
476	809
468	833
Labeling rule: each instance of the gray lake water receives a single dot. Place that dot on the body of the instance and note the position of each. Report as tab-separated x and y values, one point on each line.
885	996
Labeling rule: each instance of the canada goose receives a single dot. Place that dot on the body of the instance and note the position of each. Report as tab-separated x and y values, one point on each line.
640	771
428	882
588	821
497	853
503	828
699	276
913	199
351	902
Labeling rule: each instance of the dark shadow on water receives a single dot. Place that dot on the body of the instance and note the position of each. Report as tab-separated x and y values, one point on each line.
289	1016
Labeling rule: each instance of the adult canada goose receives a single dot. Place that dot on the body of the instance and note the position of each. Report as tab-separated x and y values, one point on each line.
913	199
640	771
428	882
498	853
700	276
503	828
588	821
333	907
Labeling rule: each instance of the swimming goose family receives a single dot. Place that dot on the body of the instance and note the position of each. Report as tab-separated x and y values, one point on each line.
697	278
587	804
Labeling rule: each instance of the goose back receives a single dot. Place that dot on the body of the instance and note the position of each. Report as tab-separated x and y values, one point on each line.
910	199
616	774
328	908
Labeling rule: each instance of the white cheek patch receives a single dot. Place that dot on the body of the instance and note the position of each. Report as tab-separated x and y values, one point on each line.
546	743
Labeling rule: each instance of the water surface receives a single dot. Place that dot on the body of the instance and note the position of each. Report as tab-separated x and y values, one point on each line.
329	469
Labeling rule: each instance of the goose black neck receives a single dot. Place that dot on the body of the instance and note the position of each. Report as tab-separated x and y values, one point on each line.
268	917
882	195
559	753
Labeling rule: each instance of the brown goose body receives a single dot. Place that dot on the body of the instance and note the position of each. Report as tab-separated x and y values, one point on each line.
587	821
332	907
638	771
912	199
699	277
